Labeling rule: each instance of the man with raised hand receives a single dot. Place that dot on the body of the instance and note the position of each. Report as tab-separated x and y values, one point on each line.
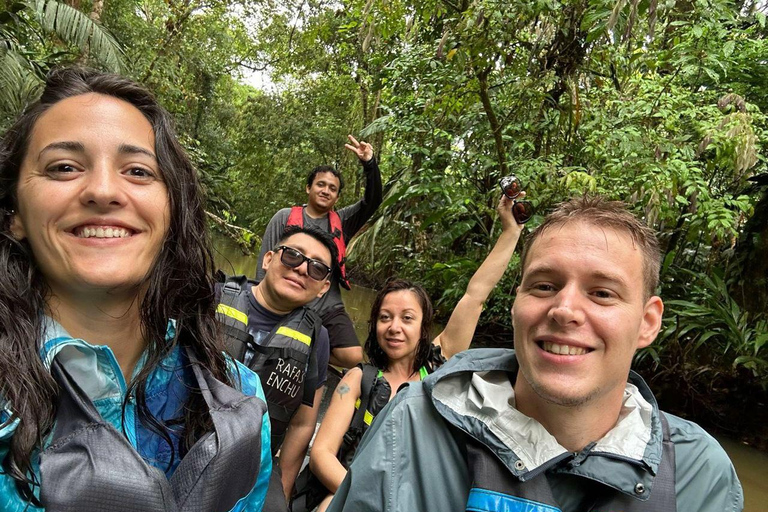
324	186
268	328
560	423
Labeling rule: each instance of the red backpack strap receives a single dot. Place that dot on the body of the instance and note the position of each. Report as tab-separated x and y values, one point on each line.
338	238
296	217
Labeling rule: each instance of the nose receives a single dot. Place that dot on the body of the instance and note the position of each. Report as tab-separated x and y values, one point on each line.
102	187
394	325
302	269
565	309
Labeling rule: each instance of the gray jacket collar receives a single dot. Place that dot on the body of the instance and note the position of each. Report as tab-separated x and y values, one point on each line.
473	392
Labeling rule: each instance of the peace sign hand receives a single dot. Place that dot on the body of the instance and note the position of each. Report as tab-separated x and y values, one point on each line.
362	149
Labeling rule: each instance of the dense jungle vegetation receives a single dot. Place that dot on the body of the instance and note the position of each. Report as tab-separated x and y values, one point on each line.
660	103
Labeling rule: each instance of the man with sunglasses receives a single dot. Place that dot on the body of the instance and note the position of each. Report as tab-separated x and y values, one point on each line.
560	423
324	186
268	327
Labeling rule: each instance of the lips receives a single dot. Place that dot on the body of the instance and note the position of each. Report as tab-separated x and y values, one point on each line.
102	232
561	348
296	282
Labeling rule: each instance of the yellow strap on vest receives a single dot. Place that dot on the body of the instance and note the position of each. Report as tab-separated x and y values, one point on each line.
232	313
367	417
291	333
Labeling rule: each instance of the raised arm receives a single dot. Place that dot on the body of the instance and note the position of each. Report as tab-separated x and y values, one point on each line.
460	328
355	216
336	422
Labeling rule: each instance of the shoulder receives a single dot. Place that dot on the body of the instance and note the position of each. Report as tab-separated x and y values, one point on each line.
281	216
705	477
352	379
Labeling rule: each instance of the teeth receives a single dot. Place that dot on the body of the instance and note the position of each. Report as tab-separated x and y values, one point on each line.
101	232
563	350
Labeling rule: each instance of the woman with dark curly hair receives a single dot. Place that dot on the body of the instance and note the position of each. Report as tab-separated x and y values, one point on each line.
115	392
400	349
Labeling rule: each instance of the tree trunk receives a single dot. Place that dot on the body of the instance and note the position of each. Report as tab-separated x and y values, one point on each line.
501	154
751	290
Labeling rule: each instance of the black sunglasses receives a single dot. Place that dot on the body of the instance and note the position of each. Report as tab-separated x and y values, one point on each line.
292	258
522	211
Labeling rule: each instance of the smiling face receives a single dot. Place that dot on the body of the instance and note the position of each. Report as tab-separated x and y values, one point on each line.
287	288
324	191
398	326
91	201
579	316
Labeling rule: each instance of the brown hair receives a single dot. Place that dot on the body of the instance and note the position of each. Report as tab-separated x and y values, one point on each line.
376	354
600	212
179	285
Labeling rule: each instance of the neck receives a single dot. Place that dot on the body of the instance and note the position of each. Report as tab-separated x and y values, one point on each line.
401	368
105	321
574	426
314	212
269	301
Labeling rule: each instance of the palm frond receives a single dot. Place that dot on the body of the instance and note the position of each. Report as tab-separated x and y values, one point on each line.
19	85
74	27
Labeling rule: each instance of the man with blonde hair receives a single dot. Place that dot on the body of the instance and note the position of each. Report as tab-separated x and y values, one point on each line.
560	423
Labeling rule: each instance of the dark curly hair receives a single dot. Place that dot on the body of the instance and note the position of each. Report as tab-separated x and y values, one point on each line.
325	168
178	286
376	354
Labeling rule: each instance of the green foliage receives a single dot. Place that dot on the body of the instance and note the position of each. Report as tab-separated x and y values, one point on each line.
661	105
708	325
38	34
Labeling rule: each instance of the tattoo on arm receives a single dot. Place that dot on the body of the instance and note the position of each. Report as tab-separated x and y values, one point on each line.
343	389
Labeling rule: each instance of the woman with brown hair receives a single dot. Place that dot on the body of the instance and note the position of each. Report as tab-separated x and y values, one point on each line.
115	392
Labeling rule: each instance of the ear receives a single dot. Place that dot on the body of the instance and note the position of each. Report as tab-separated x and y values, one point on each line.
651	322
267	260
326	287
17	228
308	188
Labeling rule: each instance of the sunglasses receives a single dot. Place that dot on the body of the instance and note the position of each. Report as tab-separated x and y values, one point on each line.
292	258
522	211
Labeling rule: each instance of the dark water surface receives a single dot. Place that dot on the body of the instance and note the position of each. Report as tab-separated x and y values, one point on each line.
751	465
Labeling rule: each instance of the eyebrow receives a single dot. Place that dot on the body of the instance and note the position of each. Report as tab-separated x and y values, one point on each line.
68	145
597	274
78	147
130	149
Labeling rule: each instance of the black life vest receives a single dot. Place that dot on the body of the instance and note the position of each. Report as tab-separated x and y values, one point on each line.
494	487
89	465
296	218
285	360
375	392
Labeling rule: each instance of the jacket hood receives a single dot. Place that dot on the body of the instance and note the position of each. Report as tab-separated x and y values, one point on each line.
474	392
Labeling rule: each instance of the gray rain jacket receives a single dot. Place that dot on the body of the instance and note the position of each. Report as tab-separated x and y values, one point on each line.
411	460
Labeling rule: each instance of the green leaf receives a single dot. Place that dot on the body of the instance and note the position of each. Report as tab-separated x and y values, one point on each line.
728	48
76	28
697	30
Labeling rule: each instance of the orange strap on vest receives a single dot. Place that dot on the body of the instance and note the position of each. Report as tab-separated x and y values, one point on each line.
296	218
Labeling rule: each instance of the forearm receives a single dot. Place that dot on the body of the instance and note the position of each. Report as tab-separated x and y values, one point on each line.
493	267
327	467
460	328
292	454
373	190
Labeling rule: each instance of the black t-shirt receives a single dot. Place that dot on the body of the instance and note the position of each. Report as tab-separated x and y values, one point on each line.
261	321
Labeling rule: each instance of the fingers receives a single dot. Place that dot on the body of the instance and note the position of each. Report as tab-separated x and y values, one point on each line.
353	141
350	147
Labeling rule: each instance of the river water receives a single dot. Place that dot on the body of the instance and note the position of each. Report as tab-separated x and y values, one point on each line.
751	465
